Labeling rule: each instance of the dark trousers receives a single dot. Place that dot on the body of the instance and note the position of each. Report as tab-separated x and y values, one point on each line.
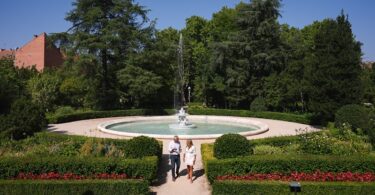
175	162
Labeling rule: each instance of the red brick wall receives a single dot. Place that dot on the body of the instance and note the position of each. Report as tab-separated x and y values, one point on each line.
32	53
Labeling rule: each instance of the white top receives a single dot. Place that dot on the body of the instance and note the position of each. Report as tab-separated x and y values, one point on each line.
190	154
174	148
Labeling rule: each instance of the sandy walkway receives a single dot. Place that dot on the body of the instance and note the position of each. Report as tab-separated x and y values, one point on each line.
165	185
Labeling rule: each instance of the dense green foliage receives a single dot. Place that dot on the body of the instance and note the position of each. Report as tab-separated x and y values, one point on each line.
142	146
44	143
340	141
44	90
354	115
58	118
49	144
230	146
25	118
334	68
287	164
258	105
330	141
256	187
275	141
105	187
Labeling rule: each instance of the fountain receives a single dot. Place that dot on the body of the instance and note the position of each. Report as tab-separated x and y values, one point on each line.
165	127
182	122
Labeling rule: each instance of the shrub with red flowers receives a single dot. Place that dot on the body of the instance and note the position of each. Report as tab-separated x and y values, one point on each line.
315	176
70	176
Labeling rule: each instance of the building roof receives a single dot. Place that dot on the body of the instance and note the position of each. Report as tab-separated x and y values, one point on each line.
5	53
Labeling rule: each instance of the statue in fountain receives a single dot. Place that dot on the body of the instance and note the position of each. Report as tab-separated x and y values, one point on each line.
182	121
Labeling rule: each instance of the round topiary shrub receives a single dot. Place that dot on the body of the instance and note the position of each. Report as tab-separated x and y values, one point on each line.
258	105
231	146
355	115
142	146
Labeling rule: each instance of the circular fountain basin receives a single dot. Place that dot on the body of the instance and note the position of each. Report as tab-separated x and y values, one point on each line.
180	127
206	127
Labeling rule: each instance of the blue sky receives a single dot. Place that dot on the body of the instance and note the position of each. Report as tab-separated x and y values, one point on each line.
20	19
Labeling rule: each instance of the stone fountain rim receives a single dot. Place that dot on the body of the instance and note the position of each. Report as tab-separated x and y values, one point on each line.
231	119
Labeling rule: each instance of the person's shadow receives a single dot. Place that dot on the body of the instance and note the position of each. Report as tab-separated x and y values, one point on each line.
164	168
196	173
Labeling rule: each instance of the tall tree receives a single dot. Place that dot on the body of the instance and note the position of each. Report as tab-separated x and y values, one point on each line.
333	70
252	53
160	58
196	56
107	31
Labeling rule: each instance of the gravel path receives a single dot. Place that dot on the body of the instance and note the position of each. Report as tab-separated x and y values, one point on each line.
181	186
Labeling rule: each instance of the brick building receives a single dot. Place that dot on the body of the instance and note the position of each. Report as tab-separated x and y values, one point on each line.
38	52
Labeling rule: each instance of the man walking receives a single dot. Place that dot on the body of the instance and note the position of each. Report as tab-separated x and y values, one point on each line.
174	154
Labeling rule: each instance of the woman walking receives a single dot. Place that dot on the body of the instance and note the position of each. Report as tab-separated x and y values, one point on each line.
190	156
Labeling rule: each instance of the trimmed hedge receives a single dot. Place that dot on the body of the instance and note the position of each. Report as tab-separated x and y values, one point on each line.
275	141
139	147
103	114
256	187
231	146
207	153
145	168
102	187
288	164
304	119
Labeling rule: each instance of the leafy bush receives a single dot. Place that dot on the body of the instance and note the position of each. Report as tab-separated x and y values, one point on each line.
315	143
266	150
44	89
24	119
275	187
11	167
355	115
371	135
51	144
304	119
258	105
142	146
230	146
105	187
104	114
93	148
345	142
64	110
275	141
292	149
196	105
287	164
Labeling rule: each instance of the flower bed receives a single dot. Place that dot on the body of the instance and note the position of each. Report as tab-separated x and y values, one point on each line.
70	176
296	176
282	187
84	166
